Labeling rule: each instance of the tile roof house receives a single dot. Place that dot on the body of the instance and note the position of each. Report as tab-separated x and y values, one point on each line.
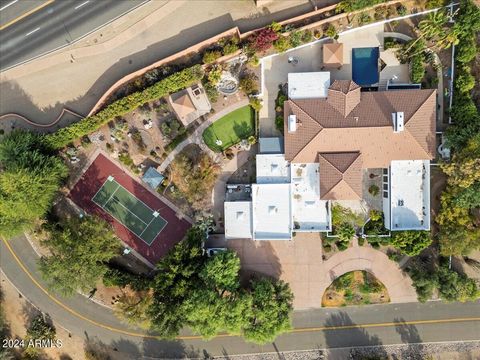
329	142
189	104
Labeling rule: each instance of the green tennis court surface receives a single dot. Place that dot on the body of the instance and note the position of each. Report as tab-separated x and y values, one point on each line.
129	211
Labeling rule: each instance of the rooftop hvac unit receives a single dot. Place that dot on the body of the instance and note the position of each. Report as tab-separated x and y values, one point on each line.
292	123
398	121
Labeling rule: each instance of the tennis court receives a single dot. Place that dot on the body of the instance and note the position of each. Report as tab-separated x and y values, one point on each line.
127	209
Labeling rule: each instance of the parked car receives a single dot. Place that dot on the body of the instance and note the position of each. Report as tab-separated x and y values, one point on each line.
213	251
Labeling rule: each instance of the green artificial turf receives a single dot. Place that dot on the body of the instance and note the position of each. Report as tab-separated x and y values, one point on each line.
230	129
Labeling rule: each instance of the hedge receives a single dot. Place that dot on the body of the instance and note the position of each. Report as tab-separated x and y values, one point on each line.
170	84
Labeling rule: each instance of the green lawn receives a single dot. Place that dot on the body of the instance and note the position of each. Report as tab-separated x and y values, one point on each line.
230	129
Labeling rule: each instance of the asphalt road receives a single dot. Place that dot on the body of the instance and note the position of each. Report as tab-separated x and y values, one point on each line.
32	28
314	329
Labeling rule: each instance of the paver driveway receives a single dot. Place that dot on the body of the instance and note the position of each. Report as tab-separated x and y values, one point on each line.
299	262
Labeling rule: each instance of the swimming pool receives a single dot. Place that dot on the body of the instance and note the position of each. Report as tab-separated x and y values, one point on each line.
365	65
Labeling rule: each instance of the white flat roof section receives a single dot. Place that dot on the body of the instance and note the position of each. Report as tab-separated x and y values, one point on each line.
272	213
238	219
410	195
310	214
308	85
272	168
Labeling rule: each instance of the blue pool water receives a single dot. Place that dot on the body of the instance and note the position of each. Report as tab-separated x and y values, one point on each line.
365	65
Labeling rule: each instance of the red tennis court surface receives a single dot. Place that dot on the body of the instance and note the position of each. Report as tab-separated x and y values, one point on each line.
93	179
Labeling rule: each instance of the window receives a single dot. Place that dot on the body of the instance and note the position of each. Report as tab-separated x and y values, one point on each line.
385	194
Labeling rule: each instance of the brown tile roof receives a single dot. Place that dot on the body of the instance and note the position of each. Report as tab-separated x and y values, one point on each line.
367	128
340	175
344	96
333	54
182	104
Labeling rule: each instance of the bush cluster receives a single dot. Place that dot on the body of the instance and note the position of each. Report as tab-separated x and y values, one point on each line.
171	84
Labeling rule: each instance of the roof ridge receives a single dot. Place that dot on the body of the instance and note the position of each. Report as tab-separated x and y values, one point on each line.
344	183
307	114
410	123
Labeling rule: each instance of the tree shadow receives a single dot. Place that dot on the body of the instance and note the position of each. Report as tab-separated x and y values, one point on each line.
410	336
30	312
358	343
173	349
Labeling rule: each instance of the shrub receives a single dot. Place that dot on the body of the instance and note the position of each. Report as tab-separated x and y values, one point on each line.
170	84
282	44
345	232
364	19
279	123
249	83
211	56
40	329
411	243
417	69
331	32
464	81
275	26
295	38
375	215
215	74
254	61
230	48
317	34
401	10
373	190
307	36
263	39
255	103
433	4
210	90
389	43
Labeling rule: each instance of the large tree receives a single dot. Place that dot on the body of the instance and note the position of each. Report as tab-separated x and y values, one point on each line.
272	305
29	178
204	293
79	250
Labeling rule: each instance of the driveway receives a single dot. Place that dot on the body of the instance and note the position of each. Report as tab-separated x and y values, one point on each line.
299	262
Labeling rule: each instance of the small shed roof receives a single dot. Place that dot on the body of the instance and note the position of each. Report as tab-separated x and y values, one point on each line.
333	54
272	145
183	105
152	178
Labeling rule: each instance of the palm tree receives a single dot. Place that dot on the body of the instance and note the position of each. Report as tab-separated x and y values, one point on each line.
430	28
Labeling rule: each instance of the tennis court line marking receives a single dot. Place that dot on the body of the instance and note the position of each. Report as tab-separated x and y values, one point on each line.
130	211
146	227
111	196
121	223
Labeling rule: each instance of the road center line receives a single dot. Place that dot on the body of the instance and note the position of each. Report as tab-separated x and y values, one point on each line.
196	337
84	3
9	4
31	32
48	2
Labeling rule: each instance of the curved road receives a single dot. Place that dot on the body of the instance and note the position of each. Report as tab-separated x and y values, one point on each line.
51	24
320	328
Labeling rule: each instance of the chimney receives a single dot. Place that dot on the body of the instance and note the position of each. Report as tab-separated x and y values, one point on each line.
292	123
398	121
